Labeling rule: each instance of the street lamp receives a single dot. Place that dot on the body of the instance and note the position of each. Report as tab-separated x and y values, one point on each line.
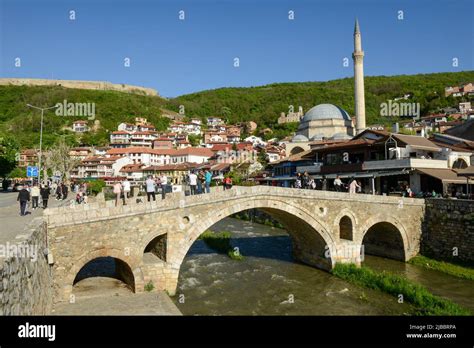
41	136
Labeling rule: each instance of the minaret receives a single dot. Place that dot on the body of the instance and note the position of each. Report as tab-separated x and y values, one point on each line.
358	57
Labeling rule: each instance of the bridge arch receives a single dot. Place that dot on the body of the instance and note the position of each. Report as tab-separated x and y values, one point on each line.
344	218
312	239
386	237
134	276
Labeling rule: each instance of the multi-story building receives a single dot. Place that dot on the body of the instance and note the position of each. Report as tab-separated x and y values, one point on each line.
191	155
80	152
28	157
215	137
384	163
214	121
120	139
99	167
80	126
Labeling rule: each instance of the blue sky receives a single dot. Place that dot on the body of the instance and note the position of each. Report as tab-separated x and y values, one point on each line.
178	57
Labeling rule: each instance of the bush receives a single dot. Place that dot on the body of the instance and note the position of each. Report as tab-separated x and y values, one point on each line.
459	271
220	242
425	301
96	186
149	286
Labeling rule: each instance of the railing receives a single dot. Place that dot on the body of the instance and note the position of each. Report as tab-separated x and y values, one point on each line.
310	169
405	163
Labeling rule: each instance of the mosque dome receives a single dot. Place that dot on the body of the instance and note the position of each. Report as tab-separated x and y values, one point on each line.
325	112
317	137
299	138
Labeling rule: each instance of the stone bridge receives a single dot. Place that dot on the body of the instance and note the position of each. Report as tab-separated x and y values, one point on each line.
150	240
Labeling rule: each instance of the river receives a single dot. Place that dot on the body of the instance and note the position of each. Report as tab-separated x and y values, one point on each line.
269	282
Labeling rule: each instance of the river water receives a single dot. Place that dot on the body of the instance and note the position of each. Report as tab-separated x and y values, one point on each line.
269	282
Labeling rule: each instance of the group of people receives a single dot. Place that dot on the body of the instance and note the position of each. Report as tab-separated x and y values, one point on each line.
354	186
61	190
305	181
199	182
122	190
33	194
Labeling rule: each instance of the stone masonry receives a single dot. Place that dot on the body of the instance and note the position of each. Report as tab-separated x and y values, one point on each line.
448	231
26	283
137	233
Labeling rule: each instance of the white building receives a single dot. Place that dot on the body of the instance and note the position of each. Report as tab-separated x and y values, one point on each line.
255	140
191	155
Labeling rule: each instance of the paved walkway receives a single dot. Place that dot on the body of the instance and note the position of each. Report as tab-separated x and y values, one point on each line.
108	296
12	224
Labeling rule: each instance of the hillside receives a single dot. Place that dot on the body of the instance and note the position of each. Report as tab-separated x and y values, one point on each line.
111	108
265	103
261	104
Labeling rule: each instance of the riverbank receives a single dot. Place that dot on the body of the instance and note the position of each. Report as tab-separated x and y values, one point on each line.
463	272
404	289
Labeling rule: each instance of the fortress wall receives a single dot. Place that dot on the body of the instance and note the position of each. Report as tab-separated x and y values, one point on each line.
91	85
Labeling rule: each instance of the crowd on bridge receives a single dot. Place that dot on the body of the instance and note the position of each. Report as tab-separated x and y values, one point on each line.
305	181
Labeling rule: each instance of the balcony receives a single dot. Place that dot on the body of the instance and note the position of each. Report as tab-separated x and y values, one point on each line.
405	163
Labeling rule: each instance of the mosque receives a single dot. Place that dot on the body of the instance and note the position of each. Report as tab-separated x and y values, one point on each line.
328	121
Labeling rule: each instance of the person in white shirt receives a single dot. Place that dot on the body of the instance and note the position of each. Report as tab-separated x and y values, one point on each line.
164	185
150	188
193	182
35	193
338	184
126	190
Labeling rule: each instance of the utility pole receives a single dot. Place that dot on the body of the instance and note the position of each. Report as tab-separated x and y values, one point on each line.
41	137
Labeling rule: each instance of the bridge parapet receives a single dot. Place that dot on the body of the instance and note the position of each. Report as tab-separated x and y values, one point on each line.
104	210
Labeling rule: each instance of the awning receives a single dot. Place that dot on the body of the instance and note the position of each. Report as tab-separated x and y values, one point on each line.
469	171
445	175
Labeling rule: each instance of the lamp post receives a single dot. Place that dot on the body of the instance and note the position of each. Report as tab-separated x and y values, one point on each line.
41	136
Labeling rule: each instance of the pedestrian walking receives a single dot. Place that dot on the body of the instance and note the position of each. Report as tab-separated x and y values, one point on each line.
126	190
353	186
23	198
35	193
58	192
150	188
193	182
117	192
208	178
200	182
298	181
64	191
164	185
324	184
44	192
338	184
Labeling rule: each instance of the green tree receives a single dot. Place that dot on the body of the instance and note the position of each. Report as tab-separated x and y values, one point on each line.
194	139
17	173
9	154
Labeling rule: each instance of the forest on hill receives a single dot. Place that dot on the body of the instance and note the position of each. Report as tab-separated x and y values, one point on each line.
261	104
